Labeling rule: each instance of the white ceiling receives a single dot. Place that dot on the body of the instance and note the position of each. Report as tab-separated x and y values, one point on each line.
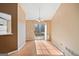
47	10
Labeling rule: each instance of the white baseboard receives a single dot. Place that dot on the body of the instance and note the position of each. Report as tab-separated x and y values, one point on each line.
12	52
21	46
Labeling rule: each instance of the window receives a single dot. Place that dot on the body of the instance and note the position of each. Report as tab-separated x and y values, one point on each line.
39	29
5	23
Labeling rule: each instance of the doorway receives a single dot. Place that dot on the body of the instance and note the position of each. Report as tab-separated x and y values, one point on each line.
40	31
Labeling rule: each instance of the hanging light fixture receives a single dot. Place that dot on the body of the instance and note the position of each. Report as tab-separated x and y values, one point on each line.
39	15
39	19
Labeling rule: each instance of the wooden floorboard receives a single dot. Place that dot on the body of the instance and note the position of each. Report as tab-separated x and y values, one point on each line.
38	48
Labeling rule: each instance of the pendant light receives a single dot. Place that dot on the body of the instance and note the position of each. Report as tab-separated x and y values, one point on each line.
39	19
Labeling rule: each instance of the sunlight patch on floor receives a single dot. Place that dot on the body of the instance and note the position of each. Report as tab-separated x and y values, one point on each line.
46	48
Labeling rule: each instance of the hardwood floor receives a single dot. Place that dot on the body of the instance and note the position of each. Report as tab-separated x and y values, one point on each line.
38	48
45	48
27	50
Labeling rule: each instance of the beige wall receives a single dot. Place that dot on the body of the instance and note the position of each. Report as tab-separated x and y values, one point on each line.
21	27
30	28
65	29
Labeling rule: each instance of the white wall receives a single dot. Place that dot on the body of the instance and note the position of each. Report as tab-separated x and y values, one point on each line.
21	28
21	35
